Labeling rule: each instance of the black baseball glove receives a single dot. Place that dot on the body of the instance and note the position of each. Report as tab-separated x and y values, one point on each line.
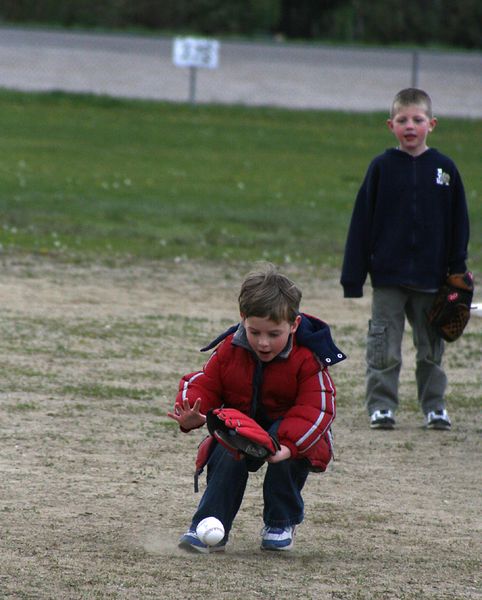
450	311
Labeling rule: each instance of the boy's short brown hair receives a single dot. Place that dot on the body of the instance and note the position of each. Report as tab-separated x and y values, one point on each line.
268	294
411	96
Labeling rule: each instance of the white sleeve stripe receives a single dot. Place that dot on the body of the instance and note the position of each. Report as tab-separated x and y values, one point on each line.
195	376
187	383
208	360
315	441
321	376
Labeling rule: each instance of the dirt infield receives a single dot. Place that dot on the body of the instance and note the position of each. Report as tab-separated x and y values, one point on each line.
97	483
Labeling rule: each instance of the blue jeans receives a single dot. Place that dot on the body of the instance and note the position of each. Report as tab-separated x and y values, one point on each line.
226	484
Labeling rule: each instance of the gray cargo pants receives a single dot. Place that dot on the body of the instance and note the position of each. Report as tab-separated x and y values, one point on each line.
390	305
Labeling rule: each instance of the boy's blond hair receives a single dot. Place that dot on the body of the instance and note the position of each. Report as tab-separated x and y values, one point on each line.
268	294
411	96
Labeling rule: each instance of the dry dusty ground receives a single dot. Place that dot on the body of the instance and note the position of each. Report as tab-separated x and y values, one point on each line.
97	483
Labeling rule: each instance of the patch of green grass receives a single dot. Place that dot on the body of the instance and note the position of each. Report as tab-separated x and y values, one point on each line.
101	391
462	396
169	425
12	371
141	410
92	178
94	339
22	407
147	327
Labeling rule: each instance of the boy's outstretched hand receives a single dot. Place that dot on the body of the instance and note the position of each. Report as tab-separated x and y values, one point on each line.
187	417
283	453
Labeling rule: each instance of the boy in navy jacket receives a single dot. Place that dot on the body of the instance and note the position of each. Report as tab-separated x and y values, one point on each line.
272	366
409	231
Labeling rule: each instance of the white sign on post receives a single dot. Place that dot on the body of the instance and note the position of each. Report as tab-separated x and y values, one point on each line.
195	52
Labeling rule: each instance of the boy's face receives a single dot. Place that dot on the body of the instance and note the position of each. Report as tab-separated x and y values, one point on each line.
411	125
266	337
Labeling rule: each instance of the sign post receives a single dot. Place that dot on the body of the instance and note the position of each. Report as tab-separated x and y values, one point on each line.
195	53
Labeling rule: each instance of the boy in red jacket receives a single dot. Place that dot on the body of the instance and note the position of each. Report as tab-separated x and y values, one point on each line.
272	366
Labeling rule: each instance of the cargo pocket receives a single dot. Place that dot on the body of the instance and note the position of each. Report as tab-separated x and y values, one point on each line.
437	346
377	344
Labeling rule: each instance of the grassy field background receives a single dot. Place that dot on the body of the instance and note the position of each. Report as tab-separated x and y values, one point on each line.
88	178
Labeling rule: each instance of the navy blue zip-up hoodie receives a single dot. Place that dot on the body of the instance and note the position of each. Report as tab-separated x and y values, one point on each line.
409	226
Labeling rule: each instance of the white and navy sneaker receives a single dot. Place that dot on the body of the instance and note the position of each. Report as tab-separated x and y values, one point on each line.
382	419
438	419
277	538
191	543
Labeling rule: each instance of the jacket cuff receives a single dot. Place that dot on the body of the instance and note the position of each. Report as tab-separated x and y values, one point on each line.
352	291
184	430
460	267
291	446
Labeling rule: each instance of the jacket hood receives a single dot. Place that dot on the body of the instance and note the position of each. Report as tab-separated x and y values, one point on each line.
315	334
312	333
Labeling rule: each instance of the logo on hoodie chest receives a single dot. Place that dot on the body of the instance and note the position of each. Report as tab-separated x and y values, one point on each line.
442	178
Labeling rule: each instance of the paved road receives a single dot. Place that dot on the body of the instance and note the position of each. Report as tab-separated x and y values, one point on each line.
296	76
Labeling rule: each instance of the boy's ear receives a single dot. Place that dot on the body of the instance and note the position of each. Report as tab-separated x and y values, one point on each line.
433	123
390	124
296	324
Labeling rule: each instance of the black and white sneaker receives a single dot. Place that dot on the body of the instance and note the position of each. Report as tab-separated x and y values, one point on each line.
382	419
438	419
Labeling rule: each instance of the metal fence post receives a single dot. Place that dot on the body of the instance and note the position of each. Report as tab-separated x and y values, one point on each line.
192	85
415	68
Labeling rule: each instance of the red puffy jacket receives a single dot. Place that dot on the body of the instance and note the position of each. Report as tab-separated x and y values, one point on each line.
295	387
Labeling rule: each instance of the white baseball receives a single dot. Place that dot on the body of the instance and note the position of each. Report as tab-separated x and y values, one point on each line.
210	531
